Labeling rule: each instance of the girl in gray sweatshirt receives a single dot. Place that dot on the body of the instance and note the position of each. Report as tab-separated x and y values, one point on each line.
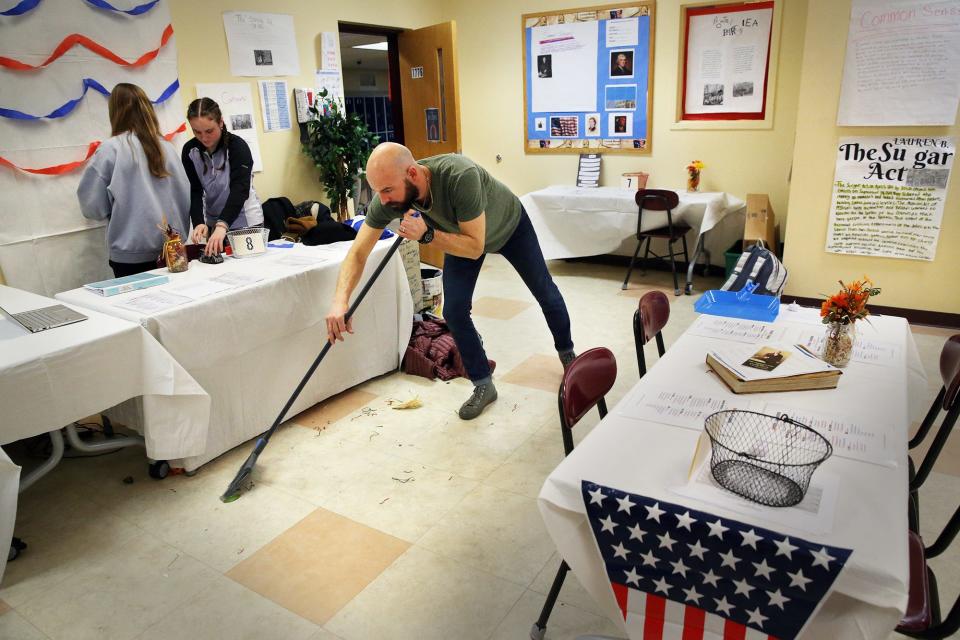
133	181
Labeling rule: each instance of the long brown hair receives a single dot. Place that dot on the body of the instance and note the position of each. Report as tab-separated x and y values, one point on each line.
130	110
208	108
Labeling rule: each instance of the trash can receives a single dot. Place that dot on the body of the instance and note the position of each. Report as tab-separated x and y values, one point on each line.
432	279
732	255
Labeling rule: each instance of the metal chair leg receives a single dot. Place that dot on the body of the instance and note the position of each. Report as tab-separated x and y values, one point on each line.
540	626
673	268
632	261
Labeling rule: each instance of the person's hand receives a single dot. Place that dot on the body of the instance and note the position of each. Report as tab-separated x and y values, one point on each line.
199	235
412	226
215	241
336	324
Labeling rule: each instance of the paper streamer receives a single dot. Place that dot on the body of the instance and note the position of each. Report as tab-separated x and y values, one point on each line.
88	83
136	11
84	41
61	169
22	8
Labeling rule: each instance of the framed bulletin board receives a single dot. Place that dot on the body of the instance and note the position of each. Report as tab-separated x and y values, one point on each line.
588	79
726	61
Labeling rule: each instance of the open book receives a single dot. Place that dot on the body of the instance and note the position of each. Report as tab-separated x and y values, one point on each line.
777	368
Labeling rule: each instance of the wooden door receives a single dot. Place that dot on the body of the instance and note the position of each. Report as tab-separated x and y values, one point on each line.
431	98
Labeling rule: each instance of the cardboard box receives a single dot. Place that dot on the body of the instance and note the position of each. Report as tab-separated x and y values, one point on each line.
760	223
636	180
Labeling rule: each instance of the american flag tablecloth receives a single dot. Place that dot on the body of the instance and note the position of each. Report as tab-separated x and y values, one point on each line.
683	574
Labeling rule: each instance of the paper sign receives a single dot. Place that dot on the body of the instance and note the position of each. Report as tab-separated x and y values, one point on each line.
433	124
236	105
275	105
261	44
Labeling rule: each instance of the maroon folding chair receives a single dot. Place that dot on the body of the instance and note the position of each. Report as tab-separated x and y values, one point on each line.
922	618
659	200
585	383
948	401
649	319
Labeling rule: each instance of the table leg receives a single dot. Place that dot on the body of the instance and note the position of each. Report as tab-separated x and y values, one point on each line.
693	261
31	478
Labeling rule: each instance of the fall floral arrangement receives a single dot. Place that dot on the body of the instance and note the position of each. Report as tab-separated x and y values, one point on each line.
693	174
850	303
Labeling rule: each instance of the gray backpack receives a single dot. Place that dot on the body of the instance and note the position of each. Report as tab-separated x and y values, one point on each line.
758	264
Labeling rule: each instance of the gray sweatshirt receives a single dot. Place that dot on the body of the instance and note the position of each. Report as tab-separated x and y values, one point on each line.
117	186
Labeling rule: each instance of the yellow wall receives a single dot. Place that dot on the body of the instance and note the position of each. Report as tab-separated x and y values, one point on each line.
202	57
491	97
352	86
911	284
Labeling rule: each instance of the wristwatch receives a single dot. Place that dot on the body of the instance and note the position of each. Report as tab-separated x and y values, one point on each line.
427	236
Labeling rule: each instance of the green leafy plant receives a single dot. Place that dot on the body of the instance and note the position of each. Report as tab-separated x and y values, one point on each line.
339	144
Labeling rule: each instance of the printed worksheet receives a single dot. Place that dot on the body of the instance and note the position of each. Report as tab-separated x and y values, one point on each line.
154	301
737	330
864	350
677	408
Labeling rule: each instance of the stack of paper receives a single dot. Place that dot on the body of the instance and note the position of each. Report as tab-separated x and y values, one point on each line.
588	174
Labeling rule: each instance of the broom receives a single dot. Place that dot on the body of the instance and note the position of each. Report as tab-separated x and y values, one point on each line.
233	491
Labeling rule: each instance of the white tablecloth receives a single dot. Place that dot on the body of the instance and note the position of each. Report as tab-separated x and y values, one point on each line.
653	459
575	222
250	346
51	378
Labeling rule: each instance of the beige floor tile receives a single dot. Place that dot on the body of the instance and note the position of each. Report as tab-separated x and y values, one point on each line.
572	593
229	611
566	622
424	596
940	332
537	371
525	470
495	531
317	566
323	634
4	607
498	308
15	627
637	288
332	409
140	583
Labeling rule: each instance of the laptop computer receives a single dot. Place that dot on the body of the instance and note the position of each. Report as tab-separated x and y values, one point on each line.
51	317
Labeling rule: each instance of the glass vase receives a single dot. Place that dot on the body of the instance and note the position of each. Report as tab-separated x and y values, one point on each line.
838	343
693	181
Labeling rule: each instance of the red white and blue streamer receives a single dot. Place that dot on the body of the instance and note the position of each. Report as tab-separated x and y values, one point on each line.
77	39
88	83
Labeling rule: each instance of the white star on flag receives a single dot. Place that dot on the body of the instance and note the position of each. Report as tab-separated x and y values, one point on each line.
633	577
717	528
620	551
756	618
684	521
799	580
636	533
743	587
625	504
729	560
649	560
750	538
608	524
763	569
679	567
785	548
723	605
666	542
710	578
777	599
662	586
691	595
596	496
822	558
697	549
654	512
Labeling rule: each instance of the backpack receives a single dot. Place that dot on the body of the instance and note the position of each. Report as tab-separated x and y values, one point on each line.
758	264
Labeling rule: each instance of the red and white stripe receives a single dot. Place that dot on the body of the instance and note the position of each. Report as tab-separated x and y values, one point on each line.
653	617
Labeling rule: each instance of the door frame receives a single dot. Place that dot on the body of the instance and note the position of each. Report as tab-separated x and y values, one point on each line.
393	66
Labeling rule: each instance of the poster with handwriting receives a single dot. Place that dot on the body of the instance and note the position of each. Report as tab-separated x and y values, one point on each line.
903	63
888	196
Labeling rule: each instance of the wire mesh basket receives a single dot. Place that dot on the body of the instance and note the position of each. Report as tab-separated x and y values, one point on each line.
248	242
766	459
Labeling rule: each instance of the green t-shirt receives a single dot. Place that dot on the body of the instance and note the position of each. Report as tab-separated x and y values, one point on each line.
460	191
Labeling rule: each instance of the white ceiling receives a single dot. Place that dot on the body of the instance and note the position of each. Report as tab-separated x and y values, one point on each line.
361	59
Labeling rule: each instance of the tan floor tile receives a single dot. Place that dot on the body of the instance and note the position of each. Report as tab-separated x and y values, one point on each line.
332	409
498	308
637	290
424	596
948	461
566	622
4	607
15	627
229	611
318	565
943	332
538	371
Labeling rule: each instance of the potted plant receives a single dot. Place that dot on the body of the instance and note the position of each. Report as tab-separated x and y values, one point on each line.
338	143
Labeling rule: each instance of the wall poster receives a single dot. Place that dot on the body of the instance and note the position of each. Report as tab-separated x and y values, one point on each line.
727	61
888	196
587	79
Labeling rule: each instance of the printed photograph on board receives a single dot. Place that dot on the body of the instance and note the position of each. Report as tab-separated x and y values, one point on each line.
621	63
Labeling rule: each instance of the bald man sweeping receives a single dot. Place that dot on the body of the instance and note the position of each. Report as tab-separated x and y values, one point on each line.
453	203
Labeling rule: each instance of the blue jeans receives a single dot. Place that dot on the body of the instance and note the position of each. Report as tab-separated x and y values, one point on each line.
522	251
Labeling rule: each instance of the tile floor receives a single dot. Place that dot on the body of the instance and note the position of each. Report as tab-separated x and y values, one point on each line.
364	522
